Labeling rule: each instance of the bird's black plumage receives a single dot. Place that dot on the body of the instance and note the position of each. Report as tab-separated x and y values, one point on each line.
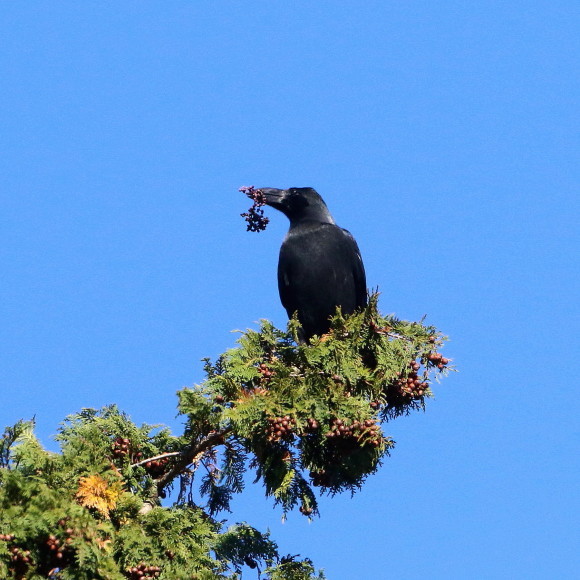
320	265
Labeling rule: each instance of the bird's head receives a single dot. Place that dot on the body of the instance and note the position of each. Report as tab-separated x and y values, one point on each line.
298	204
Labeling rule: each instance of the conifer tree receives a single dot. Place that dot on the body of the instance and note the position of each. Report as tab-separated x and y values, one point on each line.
306	419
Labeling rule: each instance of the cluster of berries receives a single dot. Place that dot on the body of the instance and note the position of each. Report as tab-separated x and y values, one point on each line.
122	448
306	510
255	215
265	372
280	427
143	572
6	537
437	359
156	468
340	431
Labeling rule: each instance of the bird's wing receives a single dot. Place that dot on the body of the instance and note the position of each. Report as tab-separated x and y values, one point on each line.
358	271
289	263
308	263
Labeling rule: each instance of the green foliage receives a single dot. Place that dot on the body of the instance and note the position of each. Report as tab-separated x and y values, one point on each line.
242	544
309	415
52	525
289	569
306	418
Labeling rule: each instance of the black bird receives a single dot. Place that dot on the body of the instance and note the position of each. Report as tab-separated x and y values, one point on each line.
320	265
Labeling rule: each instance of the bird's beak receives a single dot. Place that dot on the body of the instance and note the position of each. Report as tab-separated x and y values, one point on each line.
273	196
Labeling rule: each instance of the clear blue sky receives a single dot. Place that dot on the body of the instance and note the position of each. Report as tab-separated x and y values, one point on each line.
444	135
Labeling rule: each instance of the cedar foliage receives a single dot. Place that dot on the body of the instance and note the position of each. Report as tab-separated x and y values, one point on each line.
305	418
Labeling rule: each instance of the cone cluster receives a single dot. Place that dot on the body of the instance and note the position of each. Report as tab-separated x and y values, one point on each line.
280	427
60	551
265	372
122	448
320	478
156	468
409	385
368	430
312	425
143	572
20	559
437	359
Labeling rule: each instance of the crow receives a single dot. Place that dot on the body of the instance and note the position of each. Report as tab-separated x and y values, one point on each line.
320	266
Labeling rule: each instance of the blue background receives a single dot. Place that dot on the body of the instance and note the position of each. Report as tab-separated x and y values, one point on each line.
444	136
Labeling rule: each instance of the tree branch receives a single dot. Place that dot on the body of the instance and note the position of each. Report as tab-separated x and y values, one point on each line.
191	454
149	459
